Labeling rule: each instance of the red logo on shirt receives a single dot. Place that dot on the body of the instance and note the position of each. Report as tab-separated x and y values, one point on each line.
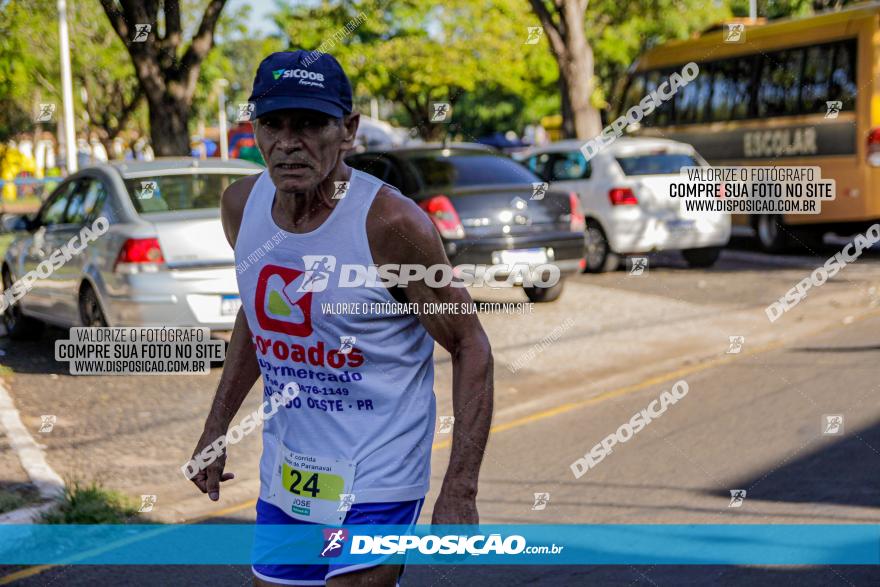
280	305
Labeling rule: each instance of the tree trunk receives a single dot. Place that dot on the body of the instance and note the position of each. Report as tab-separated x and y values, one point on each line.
576	65
580	119
568	130
563	21
169	121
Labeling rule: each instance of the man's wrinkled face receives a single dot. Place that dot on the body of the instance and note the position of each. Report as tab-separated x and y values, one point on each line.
301	147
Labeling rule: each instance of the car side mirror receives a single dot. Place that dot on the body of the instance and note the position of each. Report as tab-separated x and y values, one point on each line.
17	223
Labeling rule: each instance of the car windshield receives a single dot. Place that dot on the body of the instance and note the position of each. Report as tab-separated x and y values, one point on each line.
656	163
170	193
469	170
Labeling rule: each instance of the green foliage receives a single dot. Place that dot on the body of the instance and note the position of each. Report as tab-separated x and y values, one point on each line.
619	31
30	69
408	52
413	52
235	58
10	501
474	55
89	503
771	9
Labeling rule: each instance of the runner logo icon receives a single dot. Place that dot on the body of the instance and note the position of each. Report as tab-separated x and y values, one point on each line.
318	269
333	539
280	304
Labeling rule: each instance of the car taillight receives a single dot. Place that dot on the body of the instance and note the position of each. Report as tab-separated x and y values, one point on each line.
442	213
577	216
622	197
139	254
874	147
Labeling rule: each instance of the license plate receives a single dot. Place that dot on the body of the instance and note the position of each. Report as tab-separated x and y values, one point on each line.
680	225
527	256
229	305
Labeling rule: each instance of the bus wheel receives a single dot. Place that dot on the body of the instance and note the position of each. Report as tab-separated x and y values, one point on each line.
772	233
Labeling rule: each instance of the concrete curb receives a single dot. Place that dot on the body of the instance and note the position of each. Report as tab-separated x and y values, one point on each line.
30	454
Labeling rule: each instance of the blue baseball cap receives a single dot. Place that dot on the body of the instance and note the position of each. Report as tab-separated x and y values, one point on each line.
301	79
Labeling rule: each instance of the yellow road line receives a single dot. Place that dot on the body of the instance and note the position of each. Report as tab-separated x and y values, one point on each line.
516	423
620	391
230	510
657	379
24	574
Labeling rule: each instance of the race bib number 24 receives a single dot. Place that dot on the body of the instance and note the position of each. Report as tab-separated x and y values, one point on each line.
309	487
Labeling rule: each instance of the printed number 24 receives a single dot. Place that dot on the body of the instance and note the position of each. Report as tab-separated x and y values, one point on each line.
311	484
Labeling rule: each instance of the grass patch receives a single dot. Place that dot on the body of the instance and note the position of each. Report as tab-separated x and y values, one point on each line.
92	504
10	501
17	495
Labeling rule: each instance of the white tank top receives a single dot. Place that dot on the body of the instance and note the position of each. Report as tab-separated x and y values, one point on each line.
367	400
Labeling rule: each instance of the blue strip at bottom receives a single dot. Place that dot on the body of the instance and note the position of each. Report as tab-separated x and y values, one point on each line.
487	544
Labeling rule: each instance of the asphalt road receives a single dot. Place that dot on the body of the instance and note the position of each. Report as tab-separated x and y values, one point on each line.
751	420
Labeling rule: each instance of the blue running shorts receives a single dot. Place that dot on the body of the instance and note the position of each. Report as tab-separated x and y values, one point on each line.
403	513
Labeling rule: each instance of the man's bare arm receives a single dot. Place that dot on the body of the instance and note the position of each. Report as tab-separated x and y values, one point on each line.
240	369
400	232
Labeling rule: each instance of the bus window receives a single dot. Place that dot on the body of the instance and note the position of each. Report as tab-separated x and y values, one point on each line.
723	90
687	100
651	82
817	71
794	68
665	113
843	79
692	101
746	71
635	91
779	84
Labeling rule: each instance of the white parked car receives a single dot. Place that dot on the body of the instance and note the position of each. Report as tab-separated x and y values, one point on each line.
163	262
624	193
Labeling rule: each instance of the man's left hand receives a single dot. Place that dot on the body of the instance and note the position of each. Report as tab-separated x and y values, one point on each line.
453	509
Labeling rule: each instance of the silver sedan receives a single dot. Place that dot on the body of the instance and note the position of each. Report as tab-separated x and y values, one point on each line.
164	261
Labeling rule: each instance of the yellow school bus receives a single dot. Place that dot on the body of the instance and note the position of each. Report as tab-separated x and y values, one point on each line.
789	92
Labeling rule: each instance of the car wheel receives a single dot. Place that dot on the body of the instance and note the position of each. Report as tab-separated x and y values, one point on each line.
539	295
705	257
772	233
598	256
90	312
18	326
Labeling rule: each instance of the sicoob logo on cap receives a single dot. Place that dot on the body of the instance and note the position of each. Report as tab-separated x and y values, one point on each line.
299	79
300	74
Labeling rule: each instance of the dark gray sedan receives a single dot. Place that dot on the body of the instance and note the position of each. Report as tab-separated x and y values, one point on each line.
488	209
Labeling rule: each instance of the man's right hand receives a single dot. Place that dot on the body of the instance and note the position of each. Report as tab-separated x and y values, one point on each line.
208	479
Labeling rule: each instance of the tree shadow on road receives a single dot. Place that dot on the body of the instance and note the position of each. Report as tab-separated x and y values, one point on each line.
843	471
